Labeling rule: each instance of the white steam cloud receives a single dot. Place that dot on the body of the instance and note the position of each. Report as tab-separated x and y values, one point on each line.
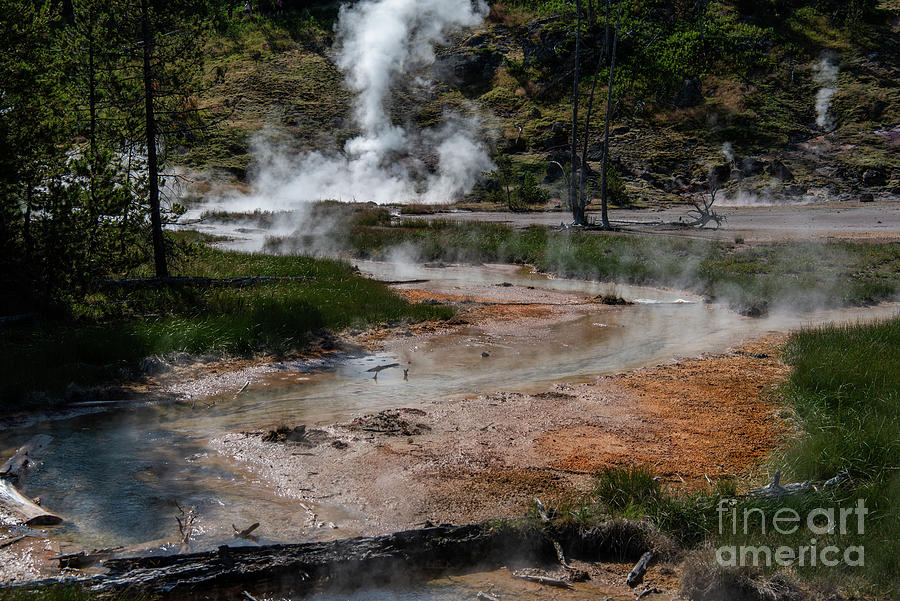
381	43
727	152
825	73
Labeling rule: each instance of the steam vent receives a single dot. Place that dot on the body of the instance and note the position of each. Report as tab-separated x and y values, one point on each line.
449	300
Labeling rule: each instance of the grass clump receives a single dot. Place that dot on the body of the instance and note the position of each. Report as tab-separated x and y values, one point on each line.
845	391
796	276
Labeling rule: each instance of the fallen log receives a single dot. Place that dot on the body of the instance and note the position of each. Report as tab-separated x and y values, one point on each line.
394	560
296	569
379	368
14	504
545	580
23	510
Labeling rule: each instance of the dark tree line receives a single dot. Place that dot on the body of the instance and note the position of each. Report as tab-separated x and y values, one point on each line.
92	93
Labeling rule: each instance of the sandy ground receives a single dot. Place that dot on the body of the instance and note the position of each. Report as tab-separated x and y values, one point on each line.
477	458
877	221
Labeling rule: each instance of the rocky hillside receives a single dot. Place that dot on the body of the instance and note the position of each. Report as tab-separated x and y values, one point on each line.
789	104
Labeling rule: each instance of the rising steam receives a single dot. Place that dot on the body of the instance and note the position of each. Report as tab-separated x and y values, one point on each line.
825	73
381	43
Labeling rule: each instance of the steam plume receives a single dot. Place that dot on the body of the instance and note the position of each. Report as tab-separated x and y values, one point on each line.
380	43
825	73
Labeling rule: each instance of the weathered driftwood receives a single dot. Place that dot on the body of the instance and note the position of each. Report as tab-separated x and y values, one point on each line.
545	580
246	533
22	509
636	576
776	489
17	465
13	503
83	559
11	541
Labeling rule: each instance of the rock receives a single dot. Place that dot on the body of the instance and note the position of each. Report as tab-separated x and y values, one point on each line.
154	365
757	309
558	135
750	166
560	156
778	170
867	197
690	94
472	71
873	177
612	299
720	173
286	434
479	40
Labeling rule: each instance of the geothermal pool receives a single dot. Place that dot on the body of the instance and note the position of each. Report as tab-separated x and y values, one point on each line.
116	475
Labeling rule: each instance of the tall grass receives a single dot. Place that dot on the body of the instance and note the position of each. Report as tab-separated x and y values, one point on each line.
845	391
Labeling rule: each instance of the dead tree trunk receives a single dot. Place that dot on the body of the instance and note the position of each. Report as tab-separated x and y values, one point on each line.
604	215
577	208
703	212
159	246
590	110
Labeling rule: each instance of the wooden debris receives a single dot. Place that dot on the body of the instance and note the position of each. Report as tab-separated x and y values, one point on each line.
775	489
185	523
247	596
243	388
295	569
545	580
649	591
486	597
20	463
12	502
246	532
82	559
545	515
636	576
399	282
380	368
12	541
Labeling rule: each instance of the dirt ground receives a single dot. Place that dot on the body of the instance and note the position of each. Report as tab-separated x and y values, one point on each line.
693	421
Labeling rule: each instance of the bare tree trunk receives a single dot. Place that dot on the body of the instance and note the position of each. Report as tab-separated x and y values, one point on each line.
577	209
604	216
590	110
159	248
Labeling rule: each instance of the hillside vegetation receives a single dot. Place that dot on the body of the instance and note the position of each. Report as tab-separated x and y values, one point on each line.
725	86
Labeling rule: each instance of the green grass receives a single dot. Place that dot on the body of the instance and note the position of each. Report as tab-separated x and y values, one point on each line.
113	330
794	276
844	389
